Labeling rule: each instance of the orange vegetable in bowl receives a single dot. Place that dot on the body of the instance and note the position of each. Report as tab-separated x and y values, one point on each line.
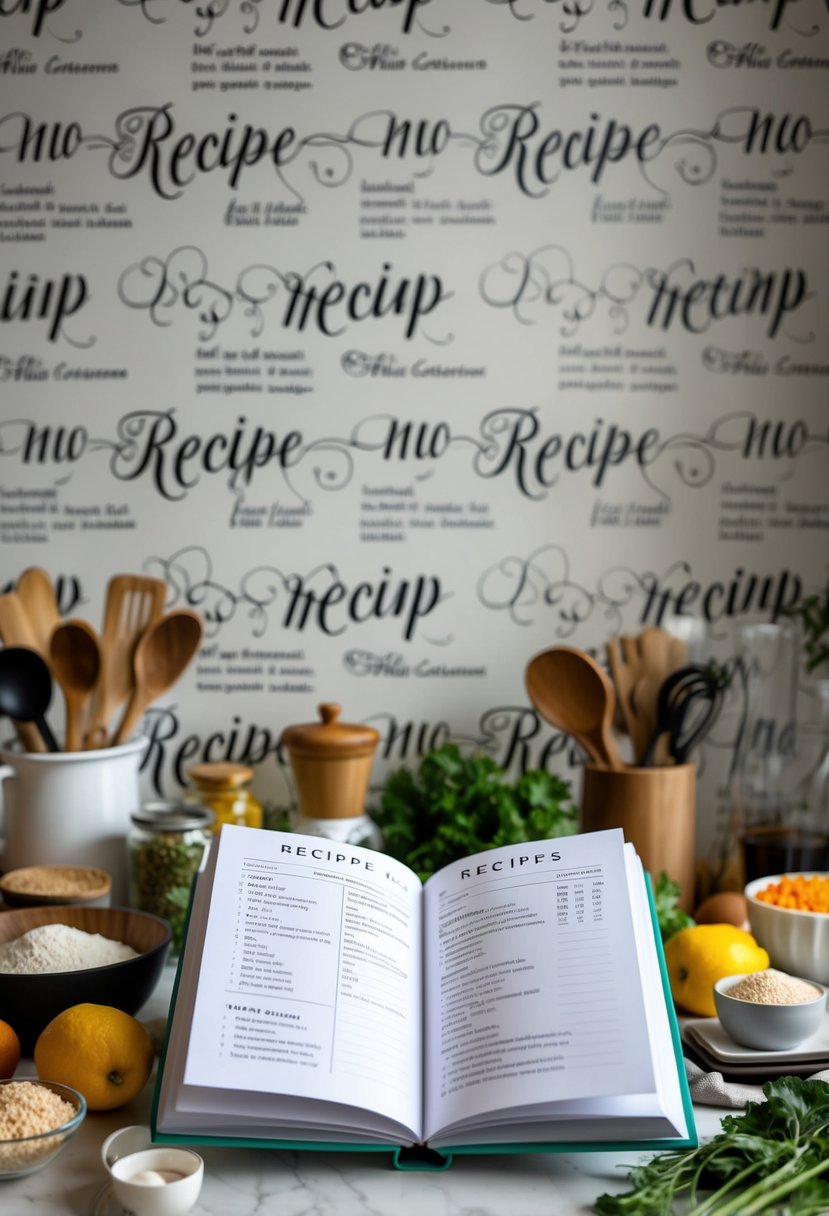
789	915
801	892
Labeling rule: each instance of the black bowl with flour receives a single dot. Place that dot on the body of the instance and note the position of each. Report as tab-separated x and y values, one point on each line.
28	1002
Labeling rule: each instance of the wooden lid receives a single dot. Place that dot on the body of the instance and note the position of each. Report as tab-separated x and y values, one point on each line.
219	774
330	739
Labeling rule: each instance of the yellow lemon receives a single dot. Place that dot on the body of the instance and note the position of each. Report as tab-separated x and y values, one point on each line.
101	1051
700	955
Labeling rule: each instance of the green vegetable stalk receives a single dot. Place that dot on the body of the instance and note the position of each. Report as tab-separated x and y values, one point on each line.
773	1158
456	805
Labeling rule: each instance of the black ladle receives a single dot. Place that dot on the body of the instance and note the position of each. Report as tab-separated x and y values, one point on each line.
694	687
26	689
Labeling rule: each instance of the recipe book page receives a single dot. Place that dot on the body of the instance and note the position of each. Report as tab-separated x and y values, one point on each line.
532	982
310	981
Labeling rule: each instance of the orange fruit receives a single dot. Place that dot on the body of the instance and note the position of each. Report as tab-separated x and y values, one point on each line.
9	1051
700	955
101	1051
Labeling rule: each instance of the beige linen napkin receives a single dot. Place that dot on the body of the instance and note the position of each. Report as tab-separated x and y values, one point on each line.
711	1089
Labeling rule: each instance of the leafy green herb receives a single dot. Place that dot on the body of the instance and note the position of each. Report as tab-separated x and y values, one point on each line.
455	805
773	1158
671	917
813	613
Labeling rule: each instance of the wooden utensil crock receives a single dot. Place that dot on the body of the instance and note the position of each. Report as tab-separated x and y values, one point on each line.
656	809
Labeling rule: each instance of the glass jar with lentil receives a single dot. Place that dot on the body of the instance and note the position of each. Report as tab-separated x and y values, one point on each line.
165	846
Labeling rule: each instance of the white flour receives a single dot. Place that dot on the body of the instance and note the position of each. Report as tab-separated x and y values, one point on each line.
50	948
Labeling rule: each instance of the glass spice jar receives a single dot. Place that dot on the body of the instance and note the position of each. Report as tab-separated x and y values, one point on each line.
165	846
224	788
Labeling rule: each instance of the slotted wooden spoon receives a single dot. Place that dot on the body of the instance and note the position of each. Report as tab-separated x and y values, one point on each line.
75	656
626	668
161	655
133	603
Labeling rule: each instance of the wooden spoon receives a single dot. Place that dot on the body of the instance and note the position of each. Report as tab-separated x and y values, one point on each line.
161	655
573	693
133	602
15	630
37	596
75	655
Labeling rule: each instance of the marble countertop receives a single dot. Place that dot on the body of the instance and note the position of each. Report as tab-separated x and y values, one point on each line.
247	1182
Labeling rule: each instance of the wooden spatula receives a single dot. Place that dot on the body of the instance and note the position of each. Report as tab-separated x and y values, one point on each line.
37	595
626	667
133	602
660	654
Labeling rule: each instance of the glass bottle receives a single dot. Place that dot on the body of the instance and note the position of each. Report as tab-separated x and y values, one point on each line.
224	788
331	763
778	826
814	784
165	846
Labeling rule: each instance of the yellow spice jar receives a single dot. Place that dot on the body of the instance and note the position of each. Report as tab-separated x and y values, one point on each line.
224	787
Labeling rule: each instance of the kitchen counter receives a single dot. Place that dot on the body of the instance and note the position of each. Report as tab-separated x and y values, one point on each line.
247	1182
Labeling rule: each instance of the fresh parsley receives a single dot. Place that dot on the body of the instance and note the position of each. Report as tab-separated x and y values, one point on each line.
773	1158
455	805
670	916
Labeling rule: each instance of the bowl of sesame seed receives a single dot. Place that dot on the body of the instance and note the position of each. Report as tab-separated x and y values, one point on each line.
37	1121
770	1010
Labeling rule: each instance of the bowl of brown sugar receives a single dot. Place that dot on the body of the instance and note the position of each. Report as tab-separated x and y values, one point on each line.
770	1010
46	886
37	1120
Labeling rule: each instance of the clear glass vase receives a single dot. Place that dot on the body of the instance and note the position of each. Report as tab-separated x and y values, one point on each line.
813	789
780	785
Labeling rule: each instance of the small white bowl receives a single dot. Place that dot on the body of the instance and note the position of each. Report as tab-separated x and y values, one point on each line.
797	942
768	1027
151	1180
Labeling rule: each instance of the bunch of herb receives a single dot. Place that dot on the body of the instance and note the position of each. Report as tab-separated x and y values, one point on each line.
813	613
670	916
773	1158
456	805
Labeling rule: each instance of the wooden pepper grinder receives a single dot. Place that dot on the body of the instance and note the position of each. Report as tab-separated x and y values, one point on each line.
331	763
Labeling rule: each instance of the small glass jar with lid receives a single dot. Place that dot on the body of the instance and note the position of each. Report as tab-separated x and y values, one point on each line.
165	846
224	788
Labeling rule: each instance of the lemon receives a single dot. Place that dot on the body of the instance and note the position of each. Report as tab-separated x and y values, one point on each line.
99	1050
700	955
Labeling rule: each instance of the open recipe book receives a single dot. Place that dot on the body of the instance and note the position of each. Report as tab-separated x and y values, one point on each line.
517	1001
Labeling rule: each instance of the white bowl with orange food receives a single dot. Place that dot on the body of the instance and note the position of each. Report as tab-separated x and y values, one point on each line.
789	916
